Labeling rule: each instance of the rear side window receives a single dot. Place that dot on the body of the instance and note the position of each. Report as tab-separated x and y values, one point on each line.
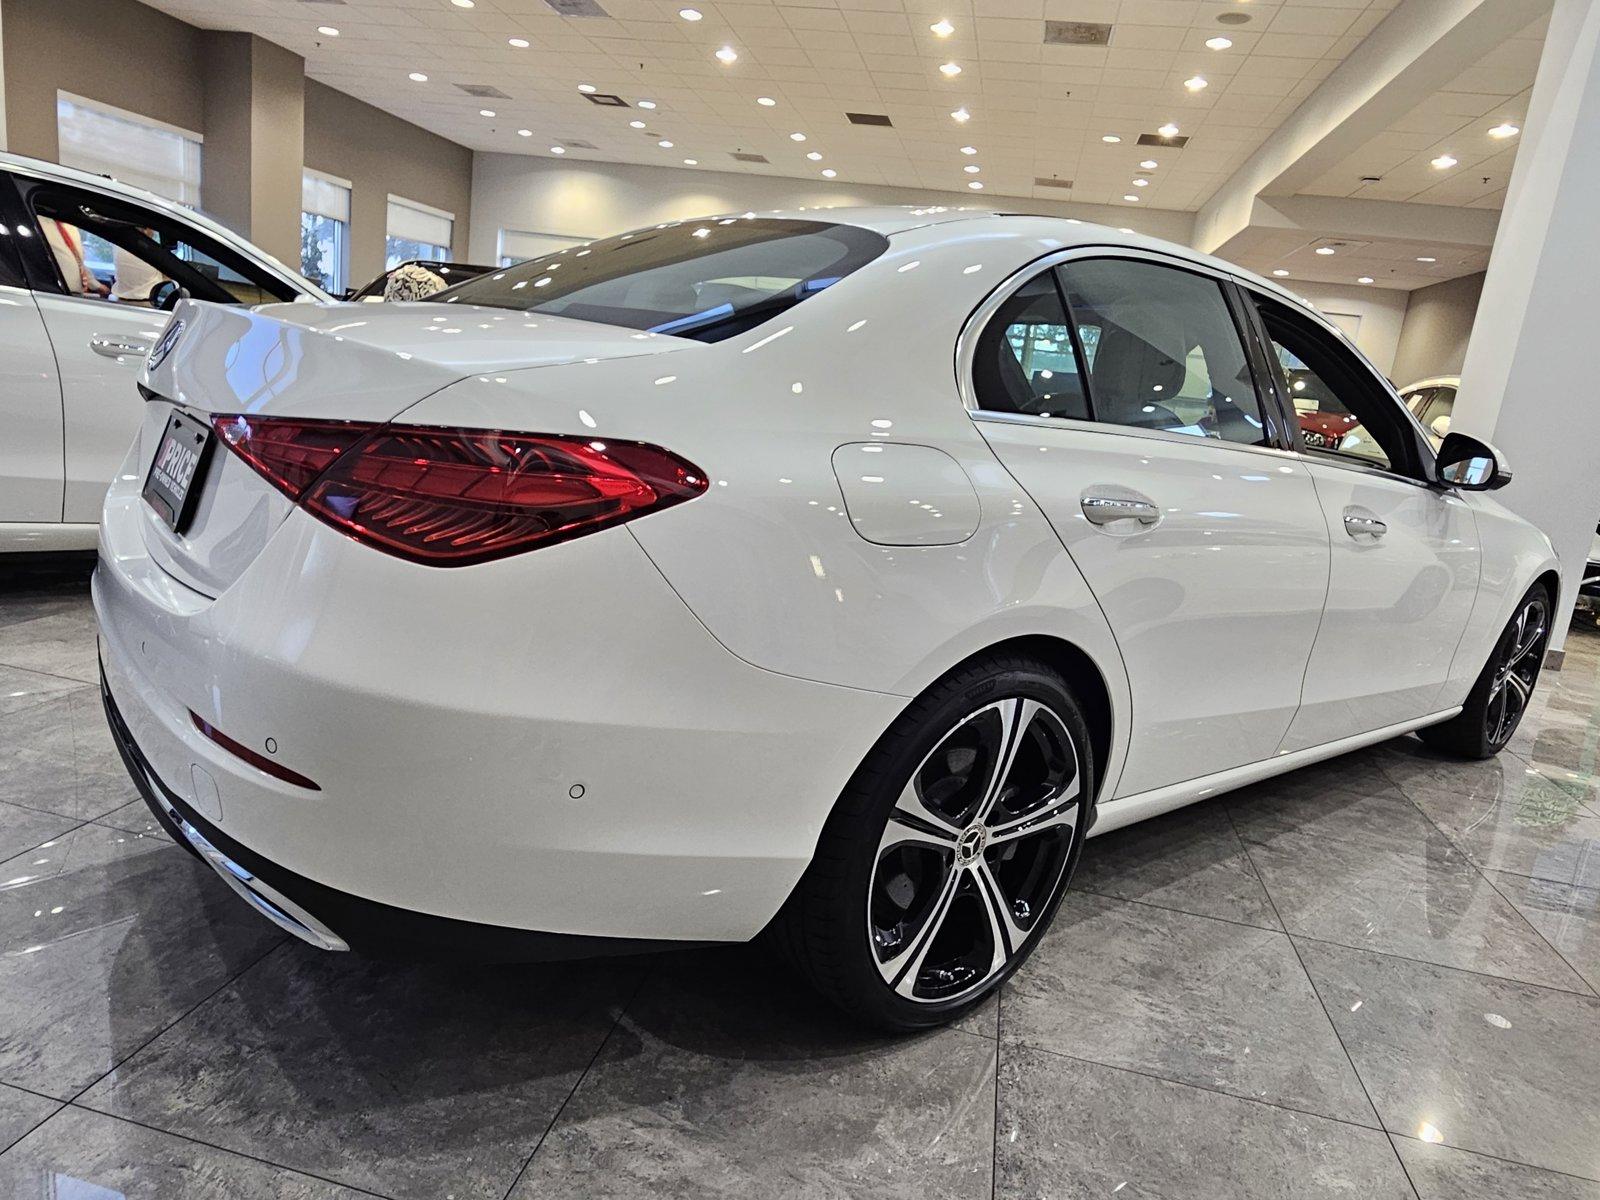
706	280
1024	361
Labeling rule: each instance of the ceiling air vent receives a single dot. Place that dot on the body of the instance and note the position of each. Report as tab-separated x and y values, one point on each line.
1041	181
746	156
322	1
868	119
606	99
577	8
1155	139
1233	18
578	144
1076	33
483	91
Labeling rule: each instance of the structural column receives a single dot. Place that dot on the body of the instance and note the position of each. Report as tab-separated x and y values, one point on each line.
1528	383
255	139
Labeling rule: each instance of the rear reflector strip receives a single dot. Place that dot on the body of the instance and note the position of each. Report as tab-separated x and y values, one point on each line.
259	761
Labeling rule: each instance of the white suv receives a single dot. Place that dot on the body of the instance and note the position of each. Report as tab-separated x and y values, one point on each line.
87	268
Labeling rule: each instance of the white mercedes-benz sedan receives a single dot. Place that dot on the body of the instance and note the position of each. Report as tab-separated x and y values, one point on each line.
828	575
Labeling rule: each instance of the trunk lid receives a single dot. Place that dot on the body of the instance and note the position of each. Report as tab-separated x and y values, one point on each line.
360	362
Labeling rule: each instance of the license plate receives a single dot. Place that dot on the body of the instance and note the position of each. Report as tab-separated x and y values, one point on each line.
179	464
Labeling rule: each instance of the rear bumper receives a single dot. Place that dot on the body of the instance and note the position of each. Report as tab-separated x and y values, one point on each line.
333	920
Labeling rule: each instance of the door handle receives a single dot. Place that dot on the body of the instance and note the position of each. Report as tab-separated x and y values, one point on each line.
1102	510
119	346
1360	523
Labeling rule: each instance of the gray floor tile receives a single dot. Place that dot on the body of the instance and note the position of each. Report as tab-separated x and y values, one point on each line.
1565	914
24	828
23	689
1378	875
58	756
105	938
79	1155
60	643
724	1080
1190	860
134	817
1075	1131
1187	998
410	1081
20	1111
1478	1063
1442	1173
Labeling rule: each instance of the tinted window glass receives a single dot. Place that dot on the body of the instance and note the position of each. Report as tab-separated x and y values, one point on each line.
1341	409
1163	350
707	280
1024	361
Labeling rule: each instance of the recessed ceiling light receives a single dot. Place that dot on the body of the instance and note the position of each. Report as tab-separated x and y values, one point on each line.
814	155
727	55
588	89
327	31
969	149
1141	183
1505	130
1443	163
486	112
1149	164
519	43
942	28
976	185
1169	130
766	101
1427	259
664	144
1196	83
465	3
797	137
962	115
1131	198
828	172
1280	273
1218	43
949	70
635	124
1364	279
647	103
691	162
1110	139
972	168
690	14
1324	250
418	77
524	133
558	149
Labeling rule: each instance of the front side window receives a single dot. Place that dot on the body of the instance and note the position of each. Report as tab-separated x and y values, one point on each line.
1163	350
706	280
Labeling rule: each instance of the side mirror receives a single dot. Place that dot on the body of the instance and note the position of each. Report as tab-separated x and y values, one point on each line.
165	295
1465	462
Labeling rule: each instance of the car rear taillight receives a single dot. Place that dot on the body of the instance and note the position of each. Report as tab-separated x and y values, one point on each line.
451	497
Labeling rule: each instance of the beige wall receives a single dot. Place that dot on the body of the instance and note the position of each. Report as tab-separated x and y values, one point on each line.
1433	340
380	154
115	51
590	199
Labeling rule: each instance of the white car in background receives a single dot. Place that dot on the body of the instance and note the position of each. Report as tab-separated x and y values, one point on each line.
87	268
810	573
1433	403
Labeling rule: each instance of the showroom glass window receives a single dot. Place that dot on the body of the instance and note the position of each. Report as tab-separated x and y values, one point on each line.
518	246
706	280
417	232
325	230
1162	350
135	150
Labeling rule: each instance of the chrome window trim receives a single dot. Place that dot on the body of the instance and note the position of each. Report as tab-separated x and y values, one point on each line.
1111	429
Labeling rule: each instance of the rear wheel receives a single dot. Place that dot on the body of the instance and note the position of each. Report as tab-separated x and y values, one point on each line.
1499	698
948	853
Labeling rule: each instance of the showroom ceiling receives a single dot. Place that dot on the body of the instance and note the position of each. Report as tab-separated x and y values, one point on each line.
1038	111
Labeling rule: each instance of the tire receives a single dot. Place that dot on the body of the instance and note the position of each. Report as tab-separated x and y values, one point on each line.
931	882
1499	697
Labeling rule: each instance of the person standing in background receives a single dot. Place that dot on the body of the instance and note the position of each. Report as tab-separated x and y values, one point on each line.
66	243
136	278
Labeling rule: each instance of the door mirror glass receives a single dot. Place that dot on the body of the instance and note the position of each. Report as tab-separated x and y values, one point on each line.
1466	462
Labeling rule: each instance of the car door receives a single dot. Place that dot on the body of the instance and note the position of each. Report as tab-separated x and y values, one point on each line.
1405	554
30	401
1138	426
93	262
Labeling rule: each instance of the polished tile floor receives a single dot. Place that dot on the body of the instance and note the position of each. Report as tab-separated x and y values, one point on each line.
1373	978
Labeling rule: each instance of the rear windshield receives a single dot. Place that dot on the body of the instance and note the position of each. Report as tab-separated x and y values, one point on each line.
707	280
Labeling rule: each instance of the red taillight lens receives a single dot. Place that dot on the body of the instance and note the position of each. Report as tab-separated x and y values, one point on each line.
451	497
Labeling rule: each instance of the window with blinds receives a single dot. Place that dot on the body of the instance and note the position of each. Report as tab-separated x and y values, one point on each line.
324	229
418	231
136	150
517	245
